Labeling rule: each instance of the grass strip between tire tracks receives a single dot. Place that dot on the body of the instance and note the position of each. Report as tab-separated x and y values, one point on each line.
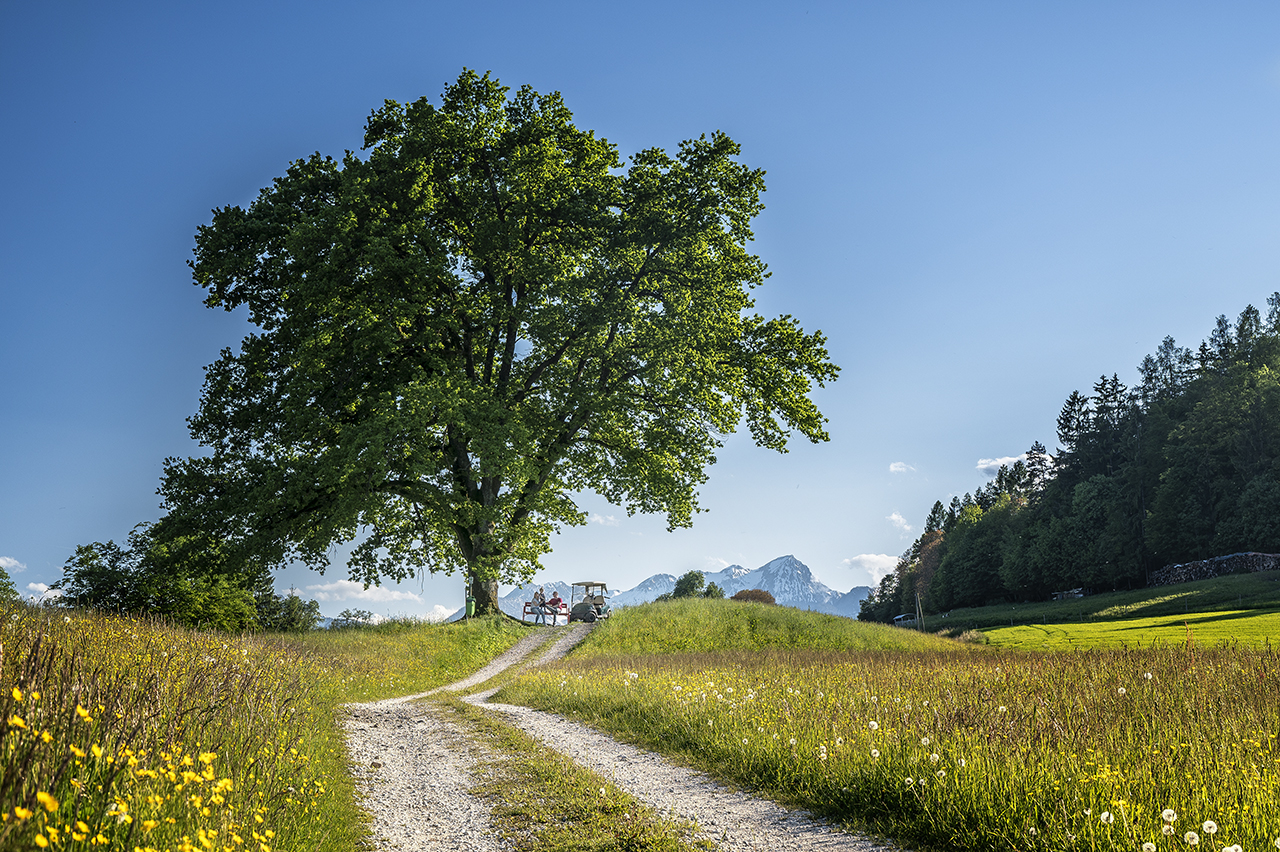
544	801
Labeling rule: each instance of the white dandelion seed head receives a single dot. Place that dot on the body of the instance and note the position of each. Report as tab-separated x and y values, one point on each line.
1121	691
910	781
934	758
874	700
1002	709
1169	816
792	741
1166	830
924	741
875	752
744	740
875	726
1106	818
1147	675
839	741
1148	847
1191	838
1209	827
942	773
962	763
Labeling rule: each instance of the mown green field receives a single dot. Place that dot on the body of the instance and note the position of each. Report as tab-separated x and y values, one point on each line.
1254	628
1260	591
945	745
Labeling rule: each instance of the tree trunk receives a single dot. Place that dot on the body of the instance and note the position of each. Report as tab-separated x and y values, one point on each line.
486	594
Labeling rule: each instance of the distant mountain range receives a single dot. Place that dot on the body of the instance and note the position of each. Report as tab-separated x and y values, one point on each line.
786	578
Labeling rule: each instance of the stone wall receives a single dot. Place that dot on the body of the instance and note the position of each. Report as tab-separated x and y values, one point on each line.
1236	563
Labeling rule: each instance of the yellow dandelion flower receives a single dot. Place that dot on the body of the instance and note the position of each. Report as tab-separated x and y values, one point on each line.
49	802
97	750
17	722
17	695
207	757
83	713
22	813
41	841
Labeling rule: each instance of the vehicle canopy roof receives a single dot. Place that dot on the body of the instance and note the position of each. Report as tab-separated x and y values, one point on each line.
592	584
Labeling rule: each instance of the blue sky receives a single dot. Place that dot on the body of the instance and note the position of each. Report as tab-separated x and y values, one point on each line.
984	206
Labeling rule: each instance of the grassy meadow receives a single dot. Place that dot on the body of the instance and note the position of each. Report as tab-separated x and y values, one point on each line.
941	744
129	734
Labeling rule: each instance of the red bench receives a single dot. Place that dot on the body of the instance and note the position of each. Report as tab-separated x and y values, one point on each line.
531	609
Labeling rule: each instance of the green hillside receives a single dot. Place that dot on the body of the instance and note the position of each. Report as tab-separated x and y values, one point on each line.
699	625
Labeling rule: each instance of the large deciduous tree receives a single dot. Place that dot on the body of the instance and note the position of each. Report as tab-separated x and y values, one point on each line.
485	315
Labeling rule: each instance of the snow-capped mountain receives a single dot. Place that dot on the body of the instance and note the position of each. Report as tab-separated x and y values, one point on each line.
658	584
786	578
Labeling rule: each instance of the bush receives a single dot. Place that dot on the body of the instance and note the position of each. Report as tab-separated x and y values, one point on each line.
755	596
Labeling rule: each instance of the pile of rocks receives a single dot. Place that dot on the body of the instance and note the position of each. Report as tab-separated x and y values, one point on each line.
1236	563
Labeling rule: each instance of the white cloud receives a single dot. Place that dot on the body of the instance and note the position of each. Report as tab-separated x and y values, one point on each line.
991	467
8	563
877	565
715	563
438	613
42	591
350	590
900	522
900	467
603	520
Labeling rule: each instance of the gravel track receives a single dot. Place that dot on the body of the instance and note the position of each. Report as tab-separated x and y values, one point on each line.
413	769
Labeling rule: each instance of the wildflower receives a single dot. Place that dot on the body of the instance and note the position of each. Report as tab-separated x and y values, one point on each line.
1106	818
793	740
41	841
924	741
601	791
1148	847
83	713
1147	675
66	619
875	753
1166	830
49	802
933	758
1002	709
961	762
875	726
942	773
17	695
17	722
1168	816
21	813
910	781
1192	838
1209	827
1120	691
744	740
1236	848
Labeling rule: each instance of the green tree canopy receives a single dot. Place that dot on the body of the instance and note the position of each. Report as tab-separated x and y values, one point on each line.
484	316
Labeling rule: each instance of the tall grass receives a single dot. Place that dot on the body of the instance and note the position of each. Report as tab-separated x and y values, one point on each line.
963	750
130	734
